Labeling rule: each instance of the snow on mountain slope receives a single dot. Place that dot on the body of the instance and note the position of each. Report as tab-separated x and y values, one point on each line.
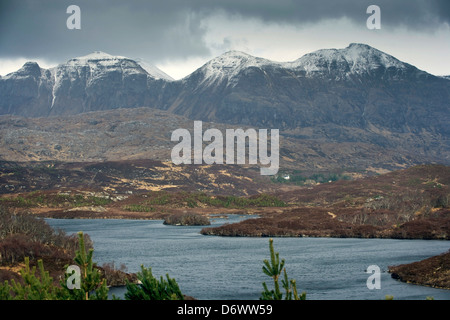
100	81
100	61
337	64
356	59
154	71
29	68
98	55
228	65
91	74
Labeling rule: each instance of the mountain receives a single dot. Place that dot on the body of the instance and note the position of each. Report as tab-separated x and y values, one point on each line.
355	60
97	81
228	67
358	96
358	86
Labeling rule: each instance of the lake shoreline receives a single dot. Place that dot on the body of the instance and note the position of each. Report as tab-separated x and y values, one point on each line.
424	273
432	272
291	221
189	260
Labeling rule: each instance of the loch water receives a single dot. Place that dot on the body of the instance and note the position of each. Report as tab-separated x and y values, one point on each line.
230	268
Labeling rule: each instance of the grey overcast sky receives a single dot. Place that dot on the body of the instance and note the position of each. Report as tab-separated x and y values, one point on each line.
179	36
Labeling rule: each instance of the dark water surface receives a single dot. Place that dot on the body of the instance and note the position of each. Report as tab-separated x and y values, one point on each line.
230	268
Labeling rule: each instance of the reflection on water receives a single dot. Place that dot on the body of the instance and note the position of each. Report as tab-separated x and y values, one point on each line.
225	268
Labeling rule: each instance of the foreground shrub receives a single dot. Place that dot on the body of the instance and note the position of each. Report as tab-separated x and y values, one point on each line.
40	286
273	269
33	287
89	284
92	285
152	289
34	229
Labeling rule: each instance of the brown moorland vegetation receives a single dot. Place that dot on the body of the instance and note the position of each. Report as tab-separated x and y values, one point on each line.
406	204
23	235
433	272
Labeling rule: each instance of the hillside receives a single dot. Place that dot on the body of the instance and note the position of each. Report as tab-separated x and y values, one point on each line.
144	133
355	107
99	127
405	204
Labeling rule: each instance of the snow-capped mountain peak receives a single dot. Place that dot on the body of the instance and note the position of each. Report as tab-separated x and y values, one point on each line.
29	68
87	75
356	59
363	54
229	65
98	55
99	60
338	64
236	59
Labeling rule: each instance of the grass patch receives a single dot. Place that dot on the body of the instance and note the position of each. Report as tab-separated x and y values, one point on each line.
263	200
201	199
138	208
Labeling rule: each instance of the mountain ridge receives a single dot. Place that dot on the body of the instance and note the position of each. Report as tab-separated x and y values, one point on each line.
295	94
258	61
353	95
358	58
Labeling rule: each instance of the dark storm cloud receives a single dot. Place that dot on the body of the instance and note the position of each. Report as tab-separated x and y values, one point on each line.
38	29
173	28
410	13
